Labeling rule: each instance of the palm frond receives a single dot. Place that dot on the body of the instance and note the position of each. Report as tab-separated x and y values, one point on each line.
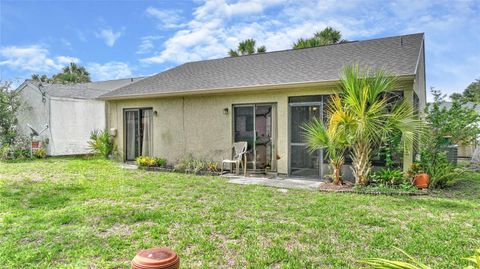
377	263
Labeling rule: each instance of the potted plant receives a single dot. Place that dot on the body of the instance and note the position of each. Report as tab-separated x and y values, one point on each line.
419	178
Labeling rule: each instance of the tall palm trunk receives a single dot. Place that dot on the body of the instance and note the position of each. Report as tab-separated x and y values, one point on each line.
337	165
361	165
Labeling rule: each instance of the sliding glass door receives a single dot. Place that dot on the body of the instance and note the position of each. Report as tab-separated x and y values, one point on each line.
303	162
254	124
138	133
302	109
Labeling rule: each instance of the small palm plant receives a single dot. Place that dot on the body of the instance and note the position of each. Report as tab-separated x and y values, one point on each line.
475	259
319	137
101	144
366	114
377	263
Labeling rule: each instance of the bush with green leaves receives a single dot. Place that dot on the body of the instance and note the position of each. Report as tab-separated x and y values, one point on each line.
389	177
457	124
194	166
147	161
19	148
9	105
212	167
442	173
101	144
40	153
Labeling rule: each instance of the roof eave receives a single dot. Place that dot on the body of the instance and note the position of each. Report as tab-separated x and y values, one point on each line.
233	89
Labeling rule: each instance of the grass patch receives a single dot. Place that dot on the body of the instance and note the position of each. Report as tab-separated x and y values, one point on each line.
87	212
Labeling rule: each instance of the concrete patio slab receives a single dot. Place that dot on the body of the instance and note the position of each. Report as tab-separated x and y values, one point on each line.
287	183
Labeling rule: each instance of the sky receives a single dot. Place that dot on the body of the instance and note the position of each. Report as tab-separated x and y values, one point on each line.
119	39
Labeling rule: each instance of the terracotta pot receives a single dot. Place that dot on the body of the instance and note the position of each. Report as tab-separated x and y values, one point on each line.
156	258
421	180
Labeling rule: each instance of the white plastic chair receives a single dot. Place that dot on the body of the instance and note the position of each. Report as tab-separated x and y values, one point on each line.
239	148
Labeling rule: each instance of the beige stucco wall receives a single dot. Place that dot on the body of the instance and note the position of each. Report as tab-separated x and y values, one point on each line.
196	124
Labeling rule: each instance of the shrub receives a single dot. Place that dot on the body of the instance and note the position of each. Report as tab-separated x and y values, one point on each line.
442	172
101	144
179	167
147	161
192	165
415	169
196	166
161	162
389	177
40	153
444	176
212	167
19	148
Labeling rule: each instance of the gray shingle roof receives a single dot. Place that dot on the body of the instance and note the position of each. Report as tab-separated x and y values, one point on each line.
91	90
397	55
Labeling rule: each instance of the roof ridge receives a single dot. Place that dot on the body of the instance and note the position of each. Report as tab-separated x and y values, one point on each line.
309	48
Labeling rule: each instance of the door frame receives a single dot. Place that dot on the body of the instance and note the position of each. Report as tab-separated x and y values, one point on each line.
273	167
124	113
289	135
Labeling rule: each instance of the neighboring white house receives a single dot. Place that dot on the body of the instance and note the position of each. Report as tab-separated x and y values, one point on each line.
70	111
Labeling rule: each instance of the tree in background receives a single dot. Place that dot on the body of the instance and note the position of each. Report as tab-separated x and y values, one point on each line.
71	73
9	104
458	124
247	47
41	78
470	94
327	36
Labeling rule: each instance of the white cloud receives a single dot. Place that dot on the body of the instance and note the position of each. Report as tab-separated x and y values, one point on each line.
109	70
33	58
167	18
218	26
109	36
64	60
147	44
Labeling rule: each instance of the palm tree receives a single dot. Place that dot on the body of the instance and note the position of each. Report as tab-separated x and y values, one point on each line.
72	73
366	116
319	137
41	78
327	36
246	47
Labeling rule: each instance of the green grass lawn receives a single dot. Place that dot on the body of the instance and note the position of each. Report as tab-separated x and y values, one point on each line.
78	213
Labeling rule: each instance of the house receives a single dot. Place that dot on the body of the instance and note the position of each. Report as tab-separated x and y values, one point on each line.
202	108
68	113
